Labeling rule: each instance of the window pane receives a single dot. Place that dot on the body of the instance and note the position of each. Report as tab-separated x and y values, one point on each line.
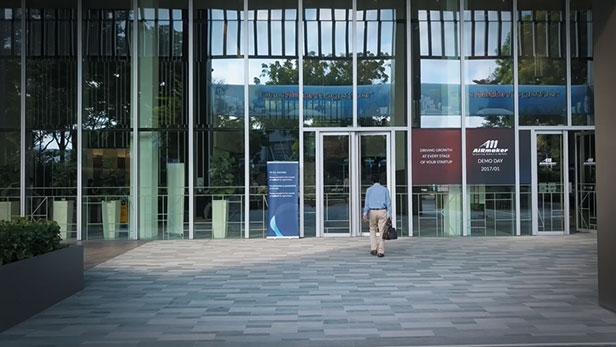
219	124
582	81
163	123
381	71
274	123
435	56
328	73
107	129
542	63
51	114
489	68
10	112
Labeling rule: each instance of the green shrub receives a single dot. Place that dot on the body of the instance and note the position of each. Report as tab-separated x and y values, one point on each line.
23	238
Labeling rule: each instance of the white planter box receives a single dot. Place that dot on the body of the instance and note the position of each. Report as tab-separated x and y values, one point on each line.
175	200
219	218
8	209
111	219
63	215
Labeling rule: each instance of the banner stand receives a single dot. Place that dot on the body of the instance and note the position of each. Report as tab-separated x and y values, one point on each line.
282	199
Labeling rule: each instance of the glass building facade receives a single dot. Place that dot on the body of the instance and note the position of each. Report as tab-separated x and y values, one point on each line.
155	119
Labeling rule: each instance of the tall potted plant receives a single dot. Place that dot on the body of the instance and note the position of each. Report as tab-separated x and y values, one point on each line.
221	181
111	205
64	181
9	187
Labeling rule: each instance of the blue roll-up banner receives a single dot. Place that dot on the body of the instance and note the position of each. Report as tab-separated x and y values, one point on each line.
282	199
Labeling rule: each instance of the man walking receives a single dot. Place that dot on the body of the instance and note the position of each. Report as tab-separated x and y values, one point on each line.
377	208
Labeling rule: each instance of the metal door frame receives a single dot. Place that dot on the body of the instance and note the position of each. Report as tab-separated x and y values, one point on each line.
391	186
535	181
578	166
354	179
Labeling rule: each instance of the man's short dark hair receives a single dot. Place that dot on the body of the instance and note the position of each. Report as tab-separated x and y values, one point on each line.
376	179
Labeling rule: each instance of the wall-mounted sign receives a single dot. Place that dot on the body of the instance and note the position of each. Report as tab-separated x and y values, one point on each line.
282	199
437	158
490	156
548	162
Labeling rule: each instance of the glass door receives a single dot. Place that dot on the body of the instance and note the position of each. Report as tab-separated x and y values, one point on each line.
374	150
549	190
586	194
346	162
334	186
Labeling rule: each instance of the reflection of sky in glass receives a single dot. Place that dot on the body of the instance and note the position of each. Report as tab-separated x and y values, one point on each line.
486	27
251	40
360	38
326	38
339	14
387	36
148	13
373	30
276	37
442	35
325	14
371	14
436	38
479	69
341	31
216	37
217	14
228	71
423	39
262	38
312	31
451	39
7	13
440	71
480	28
262	15
310	14
289	32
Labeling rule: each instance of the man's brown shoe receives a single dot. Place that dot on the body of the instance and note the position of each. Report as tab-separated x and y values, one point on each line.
372	252
380	255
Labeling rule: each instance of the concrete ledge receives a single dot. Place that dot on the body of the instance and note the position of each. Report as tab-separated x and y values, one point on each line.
29	286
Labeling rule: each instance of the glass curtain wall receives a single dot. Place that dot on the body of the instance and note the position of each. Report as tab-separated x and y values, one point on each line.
163	119
582	81
401	176
219	118
273	79
160	152
328	63
489	104
51	113
436	105
526	199
542	64
381	62
107	127
310	194
10	108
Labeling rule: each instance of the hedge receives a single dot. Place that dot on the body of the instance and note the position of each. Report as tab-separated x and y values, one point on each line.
22	238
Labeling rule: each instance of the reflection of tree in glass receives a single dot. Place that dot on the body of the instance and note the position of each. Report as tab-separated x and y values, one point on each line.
532	70
52	152
10	100
325	71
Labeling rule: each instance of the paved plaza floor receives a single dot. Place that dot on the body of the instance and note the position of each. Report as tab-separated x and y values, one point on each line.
538	291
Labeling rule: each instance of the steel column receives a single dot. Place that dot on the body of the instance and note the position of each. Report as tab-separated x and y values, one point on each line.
79	119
